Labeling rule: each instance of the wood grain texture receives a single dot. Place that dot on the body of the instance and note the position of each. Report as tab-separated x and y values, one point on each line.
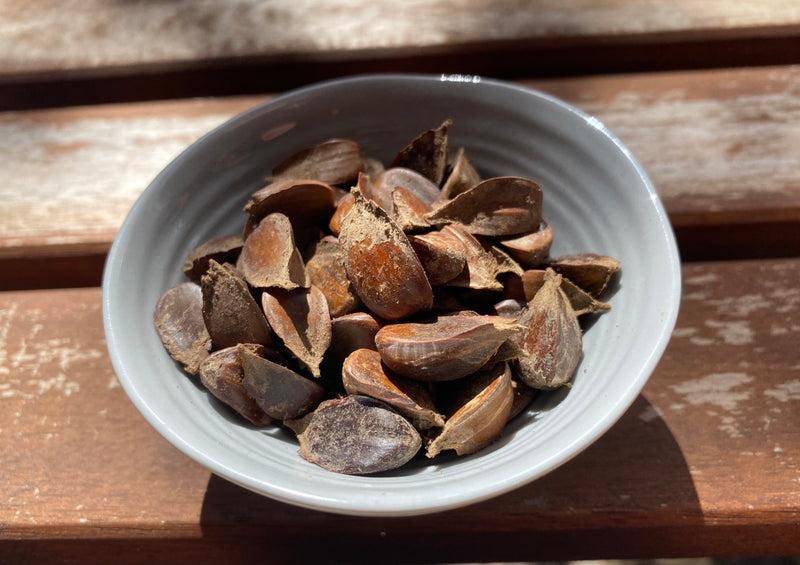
704	463
81	37
720	147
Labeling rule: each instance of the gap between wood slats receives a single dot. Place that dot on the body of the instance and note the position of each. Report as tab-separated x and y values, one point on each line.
509	60
72	266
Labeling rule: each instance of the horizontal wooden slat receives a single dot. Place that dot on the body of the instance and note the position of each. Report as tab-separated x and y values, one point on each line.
720	147
704	463
124	38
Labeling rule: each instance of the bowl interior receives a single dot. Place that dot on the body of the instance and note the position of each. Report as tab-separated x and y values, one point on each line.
596	197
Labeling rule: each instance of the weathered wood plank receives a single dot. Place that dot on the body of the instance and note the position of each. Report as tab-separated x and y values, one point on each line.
95	37
705	461
719	146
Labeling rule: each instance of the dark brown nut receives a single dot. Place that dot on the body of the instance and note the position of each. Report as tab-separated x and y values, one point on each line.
336	161
270	257
482	416
223	249
412	181
280	392
381	263
357	435
230	313
178	317
447	348
364	373
589	271
497	206
304	201
427	154
552	341
531	249
326	271
300	318
221	373
462	177
480	270
580	300
442	254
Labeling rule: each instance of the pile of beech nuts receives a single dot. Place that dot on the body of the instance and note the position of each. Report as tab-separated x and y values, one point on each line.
381	312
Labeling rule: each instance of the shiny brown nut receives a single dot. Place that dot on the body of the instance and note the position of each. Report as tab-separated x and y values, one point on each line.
230	313
462	177
279	392
356	435
178	317
498	206
300	318
326	271
335	161
589	271
481	417
364	373
427	153
446	348
221	373
270	258
223	249
381	263
551	341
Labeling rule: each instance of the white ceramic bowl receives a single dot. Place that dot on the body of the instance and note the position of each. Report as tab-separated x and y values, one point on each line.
596	197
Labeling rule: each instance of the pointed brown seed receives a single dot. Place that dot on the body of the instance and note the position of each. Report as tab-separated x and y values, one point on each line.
363	373
335	161
427	154
461	178
447	348
552	340
412	181
531	249
357	435
505	263
480	269
178	317
305	202
408	211
497	206
300	318
442	254
223	249
326	271
279	392
481	419
270	257
381	263
589	271
229	310
221	373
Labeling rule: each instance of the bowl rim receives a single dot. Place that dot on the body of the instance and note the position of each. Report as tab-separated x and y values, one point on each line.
583	440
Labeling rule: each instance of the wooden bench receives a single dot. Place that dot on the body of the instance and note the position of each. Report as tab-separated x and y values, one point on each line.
97	97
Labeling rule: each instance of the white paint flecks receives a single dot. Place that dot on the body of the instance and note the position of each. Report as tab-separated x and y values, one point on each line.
717	389
734	332
785	392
